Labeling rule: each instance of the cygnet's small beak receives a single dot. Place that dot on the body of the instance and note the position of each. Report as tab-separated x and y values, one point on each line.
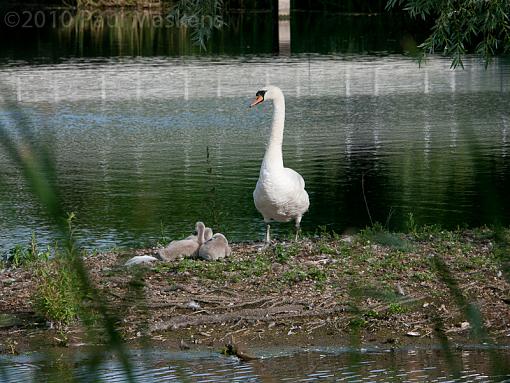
258	100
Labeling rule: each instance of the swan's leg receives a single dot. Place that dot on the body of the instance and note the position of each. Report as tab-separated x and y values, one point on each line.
268	237
298	227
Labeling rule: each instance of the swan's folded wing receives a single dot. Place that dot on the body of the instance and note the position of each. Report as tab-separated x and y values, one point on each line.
297	201
295	178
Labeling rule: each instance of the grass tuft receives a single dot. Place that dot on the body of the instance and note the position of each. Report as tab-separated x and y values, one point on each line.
377	234
57	295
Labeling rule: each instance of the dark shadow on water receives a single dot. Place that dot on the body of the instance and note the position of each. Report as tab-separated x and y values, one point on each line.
69	34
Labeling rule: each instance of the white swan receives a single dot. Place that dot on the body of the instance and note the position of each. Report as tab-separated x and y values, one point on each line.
215	248
280	193
185	247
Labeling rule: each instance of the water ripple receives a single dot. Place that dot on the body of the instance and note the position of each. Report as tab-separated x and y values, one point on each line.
145	147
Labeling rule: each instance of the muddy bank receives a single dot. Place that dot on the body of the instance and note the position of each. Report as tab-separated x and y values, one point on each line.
373	289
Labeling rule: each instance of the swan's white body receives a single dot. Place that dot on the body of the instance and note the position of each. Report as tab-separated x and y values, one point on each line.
280	193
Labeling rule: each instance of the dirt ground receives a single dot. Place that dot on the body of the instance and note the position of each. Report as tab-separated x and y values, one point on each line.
371	289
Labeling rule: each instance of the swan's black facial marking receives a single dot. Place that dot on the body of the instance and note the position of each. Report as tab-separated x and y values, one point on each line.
261	93
259	97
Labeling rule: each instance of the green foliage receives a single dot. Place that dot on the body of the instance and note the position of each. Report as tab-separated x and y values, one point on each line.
463	26
316	274
294	276
323	232
283	253
258	266
325	237
23	255
381	292
476	262
163	239
377	234
299	274
18	256
345	250
425	232
423	276
357	323
324	248
57	294
502	250
396	308
411	225
200	16
372	314
223	269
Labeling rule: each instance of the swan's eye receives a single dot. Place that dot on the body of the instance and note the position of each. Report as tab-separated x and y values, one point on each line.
261	93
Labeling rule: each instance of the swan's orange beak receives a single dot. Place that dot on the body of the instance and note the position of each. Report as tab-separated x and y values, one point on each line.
258	100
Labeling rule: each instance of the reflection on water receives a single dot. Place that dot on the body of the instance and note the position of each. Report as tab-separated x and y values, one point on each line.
330	365
56	35
145	147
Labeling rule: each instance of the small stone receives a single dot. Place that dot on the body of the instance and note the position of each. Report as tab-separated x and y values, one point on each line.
425	305
465	325
193	305
413	333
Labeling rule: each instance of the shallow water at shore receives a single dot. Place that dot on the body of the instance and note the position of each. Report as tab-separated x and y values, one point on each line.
470	364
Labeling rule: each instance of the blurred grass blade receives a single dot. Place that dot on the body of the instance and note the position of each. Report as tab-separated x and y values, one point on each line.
37	165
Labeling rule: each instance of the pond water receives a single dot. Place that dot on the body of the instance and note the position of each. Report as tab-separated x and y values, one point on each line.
321	364
149	133
145	146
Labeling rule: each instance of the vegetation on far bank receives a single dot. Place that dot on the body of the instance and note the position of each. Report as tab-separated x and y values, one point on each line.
453	29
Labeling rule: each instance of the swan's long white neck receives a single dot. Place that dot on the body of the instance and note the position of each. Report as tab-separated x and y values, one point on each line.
274	157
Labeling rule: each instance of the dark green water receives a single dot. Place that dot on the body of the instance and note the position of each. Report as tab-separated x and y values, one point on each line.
145	146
